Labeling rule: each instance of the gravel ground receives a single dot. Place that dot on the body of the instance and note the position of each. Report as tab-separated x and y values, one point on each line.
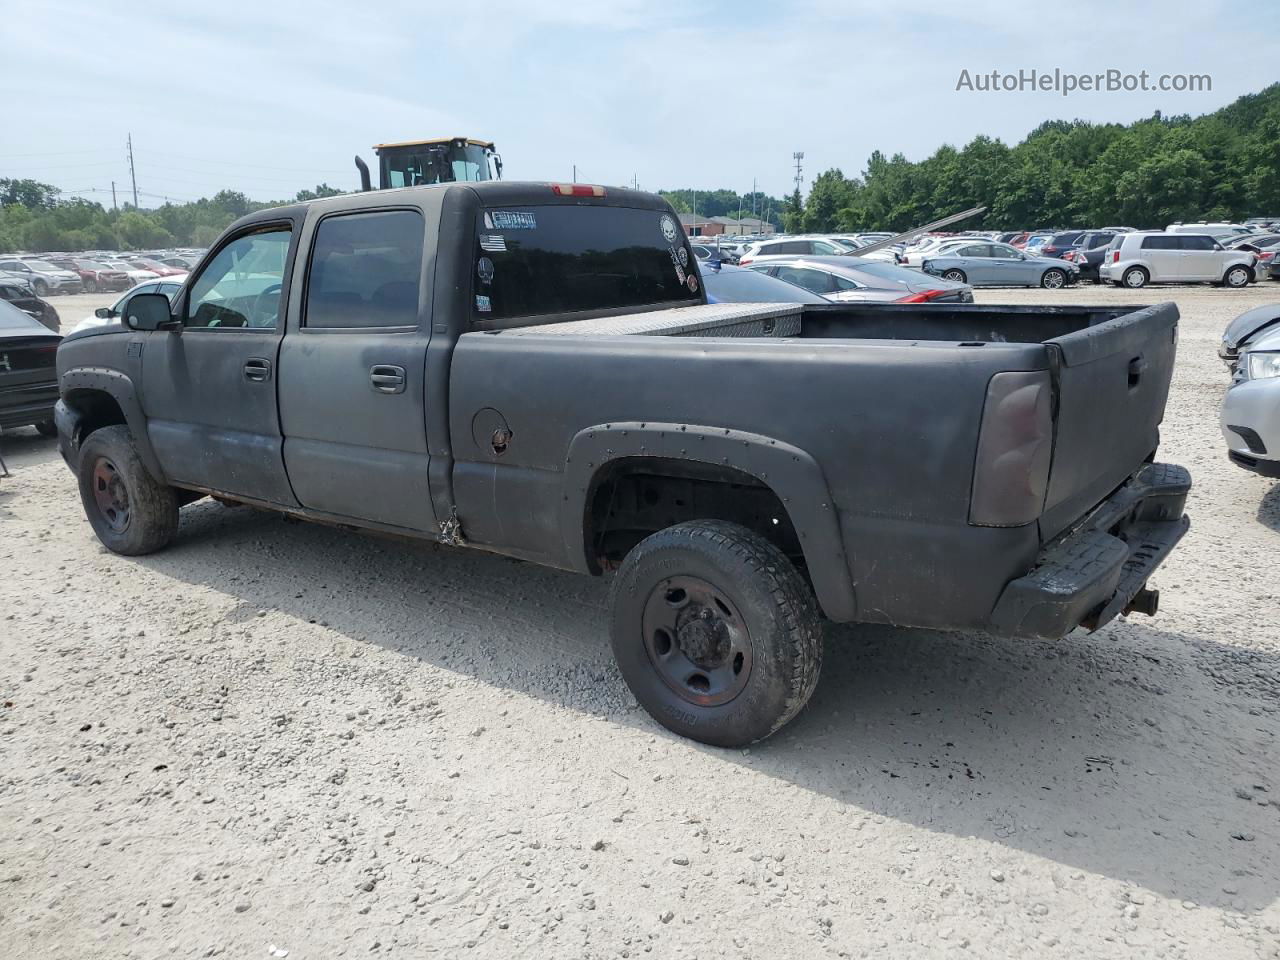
278	737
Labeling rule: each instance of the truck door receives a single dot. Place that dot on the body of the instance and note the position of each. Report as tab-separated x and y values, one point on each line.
209	391
352	373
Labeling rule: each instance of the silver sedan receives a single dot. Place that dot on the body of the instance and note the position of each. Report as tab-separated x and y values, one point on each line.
1000	265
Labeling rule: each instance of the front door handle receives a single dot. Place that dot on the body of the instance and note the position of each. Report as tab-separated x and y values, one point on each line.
387	378
257	369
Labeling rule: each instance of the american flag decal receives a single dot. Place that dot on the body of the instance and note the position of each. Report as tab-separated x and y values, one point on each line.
493	242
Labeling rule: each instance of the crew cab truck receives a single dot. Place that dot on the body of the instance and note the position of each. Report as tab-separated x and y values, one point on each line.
532	369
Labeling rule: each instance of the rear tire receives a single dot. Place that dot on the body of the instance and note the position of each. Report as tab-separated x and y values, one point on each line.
1237	277
47	428
1135	278
1053	279
955	276
131	512
715	632
91	286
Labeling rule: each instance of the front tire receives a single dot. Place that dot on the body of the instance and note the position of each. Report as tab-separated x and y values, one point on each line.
1135	278
131	512
91	286
1053	279
715	632
40	287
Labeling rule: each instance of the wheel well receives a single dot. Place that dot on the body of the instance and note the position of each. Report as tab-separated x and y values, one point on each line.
635	497
96	409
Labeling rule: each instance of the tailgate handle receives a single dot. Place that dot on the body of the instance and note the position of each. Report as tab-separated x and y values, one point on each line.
1137	366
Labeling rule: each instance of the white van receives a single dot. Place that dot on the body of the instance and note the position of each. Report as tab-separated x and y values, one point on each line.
1215	230
1136	259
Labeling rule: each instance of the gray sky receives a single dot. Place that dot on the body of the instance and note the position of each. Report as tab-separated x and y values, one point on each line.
273	96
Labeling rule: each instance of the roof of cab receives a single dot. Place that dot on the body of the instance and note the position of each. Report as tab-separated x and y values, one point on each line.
423	143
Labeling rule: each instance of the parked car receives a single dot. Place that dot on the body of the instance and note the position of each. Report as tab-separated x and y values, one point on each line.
725	283
136	274
557	389
1218	231
846	280
156	267
43	277
1035	242
989	264
791	246
1264	246
105	316
1088	253
931	246
28	378
1250	418
1060	243
1246	328
22	297
1136	259
96	276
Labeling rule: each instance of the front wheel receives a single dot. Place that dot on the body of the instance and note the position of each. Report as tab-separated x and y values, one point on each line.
1053	279
40	287
91	286
715	632
955	276
131	512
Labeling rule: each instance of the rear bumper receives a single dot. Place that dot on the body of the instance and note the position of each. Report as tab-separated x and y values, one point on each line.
28	405
1095	573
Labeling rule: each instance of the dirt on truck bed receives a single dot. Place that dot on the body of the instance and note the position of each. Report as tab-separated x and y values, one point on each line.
276	737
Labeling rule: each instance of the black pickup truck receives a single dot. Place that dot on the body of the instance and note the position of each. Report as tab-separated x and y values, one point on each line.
532	370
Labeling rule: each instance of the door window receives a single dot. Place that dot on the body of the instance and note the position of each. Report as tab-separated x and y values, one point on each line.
814	281
365	270
1198	243
242	286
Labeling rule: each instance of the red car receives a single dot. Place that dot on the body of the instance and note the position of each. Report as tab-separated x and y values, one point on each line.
155	266
95	276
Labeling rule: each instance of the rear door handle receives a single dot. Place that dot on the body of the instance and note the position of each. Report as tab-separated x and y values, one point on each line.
257	369
387	378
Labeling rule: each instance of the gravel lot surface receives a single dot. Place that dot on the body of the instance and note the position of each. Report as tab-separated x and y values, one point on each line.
279	737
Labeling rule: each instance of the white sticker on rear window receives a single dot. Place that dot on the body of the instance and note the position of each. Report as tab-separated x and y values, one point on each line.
513	220
483	303
669	228
493	242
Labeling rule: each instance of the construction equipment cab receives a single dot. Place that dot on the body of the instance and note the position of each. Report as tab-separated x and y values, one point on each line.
415	163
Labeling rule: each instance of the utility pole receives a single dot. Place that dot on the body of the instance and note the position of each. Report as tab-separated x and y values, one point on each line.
575	173
113	196
133	176
798	157
753	197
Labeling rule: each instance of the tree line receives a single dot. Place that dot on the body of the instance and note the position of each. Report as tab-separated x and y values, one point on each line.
1223	165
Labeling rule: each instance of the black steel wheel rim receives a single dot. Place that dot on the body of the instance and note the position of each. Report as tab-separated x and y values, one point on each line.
110	495
697	640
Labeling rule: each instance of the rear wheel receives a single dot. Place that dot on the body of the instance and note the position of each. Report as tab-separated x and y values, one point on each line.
91	286
1135	277
715	632
955	276
1237	276
47	428
131	512
1053	279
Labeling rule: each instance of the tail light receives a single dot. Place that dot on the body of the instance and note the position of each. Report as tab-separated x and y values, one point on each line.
1015	446
577	190
923	297
1115	256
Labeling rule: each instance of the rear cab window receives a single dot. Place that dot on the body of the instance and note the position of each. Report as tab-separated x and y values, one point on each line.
540	260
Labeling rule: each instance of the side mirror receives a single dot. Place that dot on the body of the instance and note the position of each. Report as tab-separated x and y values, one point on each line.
149	311
104	313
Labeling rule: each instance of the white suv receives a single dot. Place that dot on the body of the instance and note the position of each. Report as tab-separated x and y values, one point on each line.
1136	259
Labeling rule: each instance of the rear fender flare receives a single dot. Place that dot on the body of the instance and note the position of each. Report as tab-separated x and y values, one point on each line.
791	473
121	389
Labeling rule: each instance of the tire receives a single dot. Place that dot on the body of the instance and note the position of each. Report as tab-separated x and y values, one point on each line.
41	287
716	597
955	276
1053	279
91	286
1237	277
131	512
1135	278
46	428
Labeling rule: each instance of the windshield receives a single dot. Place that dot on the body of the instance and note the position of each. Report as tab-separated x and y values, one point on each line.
434	163
539	260
42	267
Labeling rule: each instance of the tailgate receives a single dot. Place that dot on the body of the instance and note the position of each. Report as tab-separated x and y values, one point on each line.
1112	382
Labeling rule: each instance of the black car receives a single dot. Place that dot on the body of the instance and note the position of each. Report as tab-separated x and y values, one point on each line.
28	379
22	297
1088	252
